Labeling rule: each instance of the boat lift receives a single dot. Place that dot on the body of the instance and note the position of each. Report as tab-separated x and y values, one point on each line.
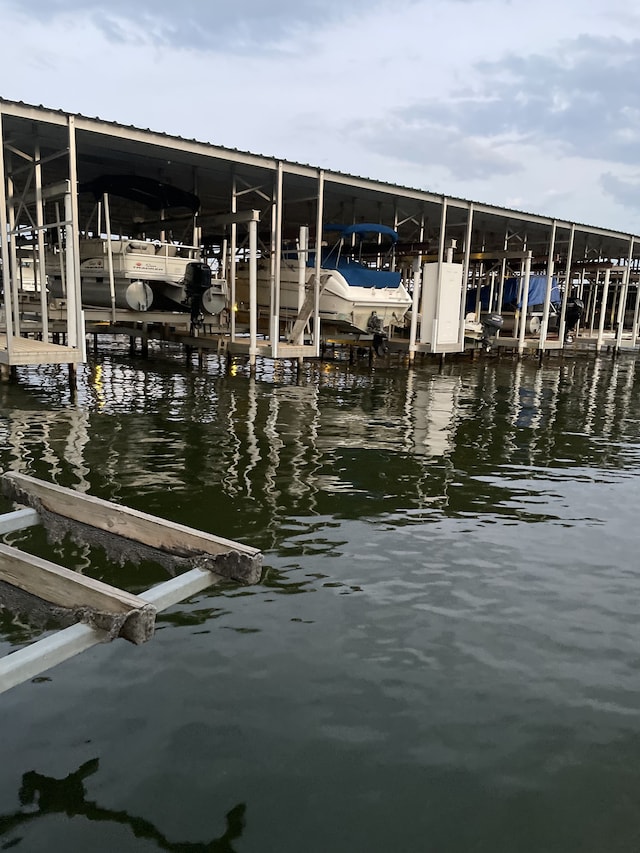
96	612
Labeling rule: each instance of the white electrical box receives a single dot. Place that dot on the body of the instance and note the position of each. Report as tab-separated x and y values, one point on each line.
441	314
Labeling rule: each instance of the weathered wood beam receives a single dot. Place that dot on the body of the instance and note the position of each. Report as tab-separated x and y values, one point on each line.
101	603
204	550
44	654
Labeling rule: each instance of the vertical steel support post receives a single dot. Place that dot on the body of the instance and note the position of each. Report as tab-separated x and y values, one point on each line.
567	287
622	306
303	254
465	274
4	245
423	325
112	282
524	303
415	308
603	309
318	264
544	328
73	284
233	248
503	272
253	292
13	250
636	314
41	266
276	261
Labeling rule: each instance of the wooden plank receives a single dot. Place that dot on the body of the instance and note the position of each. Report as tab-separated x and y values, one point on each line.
18	519
44	654
65	588
238	561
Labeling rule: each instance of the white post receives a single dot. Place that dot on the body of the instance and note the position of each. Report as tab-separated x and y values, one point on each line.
276	248
73	233
12	259
603	309
4	236
622	307
112	283
232	261
253	291
436	313
318	264
69	258
303	247
524	302
547	296
415	307
465	274
636	314
567	287
41	276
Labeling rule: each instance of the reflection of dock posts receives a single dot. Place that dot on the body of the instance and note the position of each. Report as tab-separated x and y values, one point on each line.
415	307
547	294
524	304
603	310
622	307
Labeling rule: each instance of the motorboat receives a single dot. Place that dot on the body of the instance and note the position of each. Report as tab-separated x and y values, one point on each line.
359	291
478	305
140	273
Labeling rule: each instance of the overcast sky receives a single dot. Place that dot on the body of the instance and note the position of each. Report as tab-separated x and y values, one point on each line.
534	106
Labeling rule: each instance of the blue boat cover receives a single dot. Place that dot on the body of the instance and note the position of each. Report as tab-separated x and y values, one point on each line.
355	273
537	292
363	228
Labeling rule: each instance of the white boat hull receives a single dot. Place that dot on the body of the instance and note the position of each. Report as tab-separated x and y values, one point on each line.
347	307
145	275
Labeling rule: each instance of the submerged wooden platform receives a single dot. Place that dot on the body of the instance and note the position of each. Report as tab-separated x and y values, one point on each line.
102	612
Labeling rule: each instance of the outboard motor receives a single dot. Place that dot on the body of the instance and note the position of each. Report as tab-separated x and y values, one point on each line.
573	313
197	280
491	324
374	325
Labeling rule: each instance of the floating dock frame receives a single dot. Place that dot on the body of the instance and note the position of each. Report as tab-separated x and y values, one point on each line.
102	612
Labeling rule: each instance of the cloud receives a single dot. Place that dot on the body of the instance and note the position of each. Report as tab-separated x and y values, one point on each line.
420	139
625	191
582	101
209	25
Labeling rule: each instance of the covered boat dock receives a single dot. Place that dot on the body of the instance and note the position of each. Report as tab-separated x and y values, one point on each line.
252	211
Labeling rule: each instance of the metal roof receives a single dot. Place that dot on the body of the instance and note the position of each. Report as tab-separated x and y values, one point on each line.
208	169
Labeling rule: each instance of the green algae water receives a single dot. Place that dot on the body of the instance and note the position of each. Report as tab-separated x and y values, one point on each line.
443	654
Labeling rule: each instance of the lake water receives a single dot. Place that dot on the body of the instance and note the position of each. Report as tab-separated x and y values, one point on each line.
443	654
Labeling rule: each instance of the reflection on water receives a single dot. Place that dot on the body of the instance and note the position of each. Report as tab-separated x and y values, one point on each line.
397	437
447	623
42	796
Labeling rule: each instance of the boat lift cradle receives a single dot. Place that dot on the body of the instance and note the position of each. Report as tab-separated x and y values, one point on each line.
100	612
